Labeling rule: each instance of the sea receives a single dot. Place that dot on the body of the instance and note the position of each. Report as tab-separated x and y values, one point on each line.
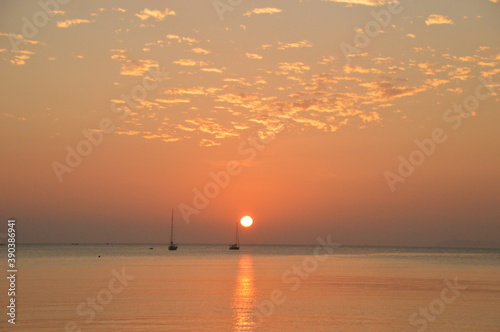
322	287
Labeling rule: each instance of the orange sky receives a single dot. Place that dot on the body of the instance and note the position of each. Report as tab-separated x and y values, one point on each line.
312	105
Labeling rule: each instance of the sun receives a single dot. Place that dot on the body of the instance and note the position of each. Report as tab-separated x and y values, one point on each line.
246	221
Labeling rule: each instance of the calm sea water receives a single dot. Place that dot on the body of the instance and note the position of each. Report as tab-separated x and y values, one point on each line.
258	288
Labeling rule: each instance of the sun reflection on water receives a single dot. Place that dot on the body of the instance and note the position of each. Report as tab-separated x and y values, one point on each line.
244	296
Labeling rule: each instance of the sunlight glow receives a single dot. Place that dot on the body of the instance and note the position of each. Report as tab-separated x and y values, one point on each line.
246	221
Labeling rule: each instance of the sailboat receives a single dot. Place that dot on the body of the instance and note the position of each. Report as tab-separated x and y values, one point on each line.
172	246
235	246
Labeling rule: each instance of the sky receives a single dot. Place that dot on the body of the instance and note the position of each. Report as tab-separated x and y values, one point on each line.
373	121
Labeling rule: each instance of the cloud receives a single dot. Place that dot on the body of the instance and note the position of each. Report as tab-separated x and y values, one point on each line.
210	127
300	44
20	57
295	67
358	55
196	90
199	50
68	23
314	123
460	73
132	67
267	10
348	69
157	14
435	82
138	67
173	100
207	142
326	60
455	90
19	60
233	98
365	2
387	91
182	39
189	62
437	19
370	117
213	70
127	132
492	72
254	56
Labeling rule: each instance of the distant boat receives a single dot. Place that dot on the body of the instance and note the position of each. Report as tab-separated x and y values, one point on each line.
172	246
235	246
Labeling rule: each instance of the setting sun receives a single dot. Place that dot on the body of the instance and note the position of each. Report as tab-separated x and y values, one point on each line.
246	221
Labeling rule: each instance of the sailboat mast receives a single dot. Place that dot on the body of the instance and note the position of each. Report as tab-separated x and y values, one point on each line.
172	228
237	238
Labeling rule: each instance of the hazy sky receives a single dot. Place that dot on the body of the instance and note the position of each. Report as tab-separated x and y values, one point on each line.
375	121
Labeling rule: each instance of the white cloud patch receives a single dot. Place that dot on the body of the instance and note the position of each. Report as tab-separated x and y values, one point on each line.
154	13
267	10
365	2
68	23
437	19
254	56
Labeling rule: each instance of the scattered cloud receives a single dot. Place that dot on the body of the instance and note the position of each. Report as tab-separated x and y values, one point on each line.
455	90
68	23
267	10
348	69
156	14
189	62
181	39
208	142
199	50
295	67
254	56
197	90
213	70
172	100
460	73
300	44
326	60
435	82
387	91
358	55
137	67
437	19
365	2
